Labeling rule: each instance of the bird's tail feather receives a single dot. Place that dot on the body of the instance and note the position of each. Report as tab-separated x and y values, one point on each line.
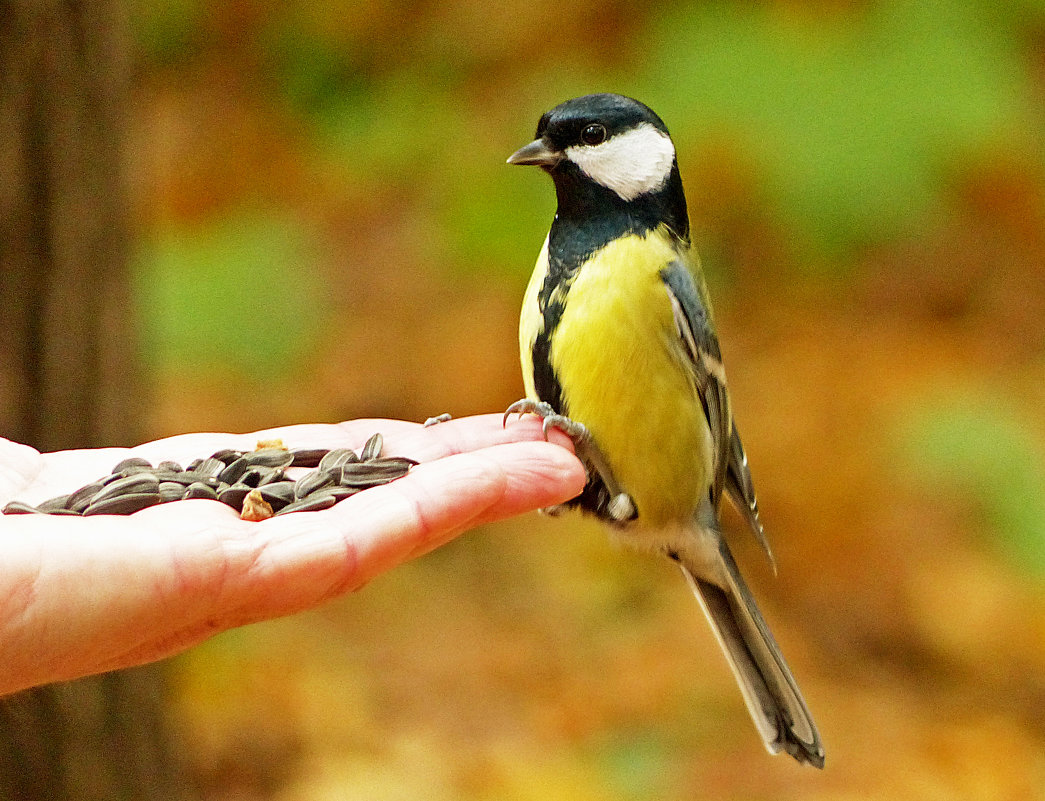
770	692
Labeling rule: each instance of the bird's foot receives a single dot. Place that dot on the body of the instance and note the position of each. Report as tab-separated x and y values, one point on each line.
620	508
552	419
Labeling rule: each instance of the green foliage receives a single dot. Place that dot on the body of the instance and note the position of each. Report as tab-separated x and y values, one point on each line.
381	133
983	451
855	116
498	225
237	293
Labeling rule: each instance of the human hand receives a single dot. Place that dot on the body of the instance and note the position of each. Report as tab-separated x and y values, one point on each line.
83	595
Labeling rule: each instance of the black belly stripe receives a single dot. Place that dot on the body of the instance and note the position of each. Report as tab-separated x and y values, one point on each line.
545	382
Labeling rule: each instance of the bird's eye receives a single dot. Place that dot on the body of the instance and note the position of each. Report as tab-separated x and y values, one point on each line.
594	134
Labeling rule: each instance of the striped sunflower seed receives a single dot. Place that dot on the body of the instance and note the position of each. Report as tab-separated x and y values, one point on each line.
269	457
337	492
336	458
209	467
54	504
372	449
200	490
310	482
81	499
226	455
313	503
124	504
20	508
308	457
234	495
132	462
134	484
369	474
231	474
278	493
171	491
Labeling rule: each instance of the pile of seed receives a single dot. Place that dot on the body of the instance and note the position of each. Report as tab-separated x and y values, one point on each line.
254	483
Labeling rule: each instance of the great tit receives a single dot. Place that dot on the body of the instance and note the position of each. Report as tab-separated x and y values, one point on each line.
619	350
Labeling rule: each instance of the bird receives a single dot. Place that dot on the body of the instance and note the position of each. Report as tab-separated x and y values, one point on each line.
619	350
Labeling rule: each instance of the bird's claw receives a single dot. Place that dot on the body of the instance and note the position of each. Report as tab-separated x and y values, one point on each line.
526	406
551	419
620	508
439	418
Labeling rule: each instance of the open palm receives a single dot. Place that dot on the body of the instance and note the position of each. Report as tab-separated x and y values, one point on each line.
81	595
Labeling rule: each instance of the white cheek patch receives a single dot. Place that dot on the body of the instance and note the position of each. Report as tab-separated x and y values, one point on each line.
632	163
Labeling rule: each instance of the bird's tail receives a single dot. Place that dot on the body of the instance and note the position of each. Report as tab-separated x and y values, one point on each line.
770	692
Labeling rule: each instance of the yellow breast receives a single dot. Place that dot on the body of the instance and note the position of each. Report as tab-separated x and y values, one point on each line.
625	376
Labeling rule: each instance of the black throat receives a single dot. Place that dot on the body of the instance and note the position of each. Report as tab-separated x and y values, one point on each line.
590	216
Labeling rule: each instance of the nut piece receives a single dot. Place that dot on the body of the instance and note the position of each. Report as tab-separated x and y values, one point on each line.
255	507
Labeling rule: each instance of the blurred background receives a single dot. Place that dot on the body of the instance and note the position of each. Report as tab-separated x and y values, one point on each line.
323	227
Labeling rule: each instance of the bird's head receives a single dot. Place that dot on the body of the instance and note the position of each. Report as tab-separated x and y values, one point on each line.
610	140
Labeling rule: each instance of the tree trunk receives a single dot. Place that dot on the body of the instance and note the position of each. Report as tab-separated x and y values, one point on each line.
68	375
68	358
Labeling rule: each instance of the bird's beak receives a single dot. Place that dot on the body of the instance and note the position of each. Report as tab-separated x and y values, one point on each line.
538	153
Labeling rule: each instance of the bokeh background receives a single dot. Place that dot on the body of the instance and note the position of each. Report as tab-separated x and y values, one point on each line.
325	229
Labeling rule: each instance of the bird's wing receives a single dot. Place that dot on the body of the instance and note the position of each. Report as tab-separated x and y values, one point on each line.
696	330
741	491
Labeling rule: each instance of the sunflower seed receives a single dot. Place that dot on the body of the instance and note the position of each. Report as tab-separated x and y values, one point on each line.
234	495
338	493
231	474
54	504
310	482
209	467
269	457
394	461
226	455
308	457
372	449
310	504
81	499
168	466
20	508
123	504
278	493
337	457
272	476
171	491
133	461
188	477
252	476
200	490
369	474
134	484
